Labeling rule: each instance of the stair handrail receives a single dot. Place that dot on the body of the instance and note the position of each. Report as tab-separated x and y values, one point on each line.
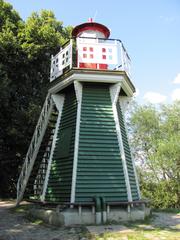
34	147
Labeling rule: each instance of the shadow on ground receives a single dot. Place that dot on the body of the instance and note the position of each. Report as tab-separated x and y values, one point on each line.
14	224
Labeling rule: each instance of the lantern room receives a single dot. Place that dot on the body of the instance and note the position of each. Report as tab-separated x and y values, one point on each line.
91	48
91	53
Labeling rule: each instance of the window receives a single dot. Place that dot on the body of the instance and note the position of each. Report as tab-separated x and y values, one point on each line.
103	56
84	55
103	50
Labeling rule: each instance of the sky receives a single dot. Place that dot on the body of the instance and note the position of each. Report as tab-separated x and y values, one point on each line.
149	29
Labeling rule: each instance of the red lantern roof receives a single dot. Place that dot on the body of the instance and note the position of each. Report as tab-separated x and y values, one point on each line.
91	26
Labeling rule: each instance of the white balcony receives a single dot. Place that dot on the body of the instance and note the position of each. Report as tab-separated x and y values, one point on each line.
96	53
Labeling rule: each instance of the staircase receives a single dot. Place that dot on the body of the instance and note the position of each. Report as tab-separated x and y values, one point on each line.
36	180
34	147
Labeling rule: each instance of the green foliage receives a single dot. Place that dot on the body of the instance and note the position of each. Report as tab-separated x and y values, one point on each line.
25	51
8	16
41	35
156	138
162	194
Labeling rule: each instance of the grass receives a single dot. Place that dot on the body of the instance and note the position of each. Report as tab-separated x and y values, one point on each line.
35	221
140	230
24	208
21	208
167	210
139	234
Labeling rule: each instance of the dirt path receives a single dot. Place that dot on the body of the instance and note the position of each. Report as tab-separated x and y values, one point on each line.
14	226
166	220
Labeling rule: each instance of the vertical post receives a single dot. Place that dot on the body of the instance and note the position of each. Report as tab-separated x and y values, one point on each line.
51	71
77	51
80	210
114	91
122	56
129	211
98	210
78	91
71	53
59	101
103	209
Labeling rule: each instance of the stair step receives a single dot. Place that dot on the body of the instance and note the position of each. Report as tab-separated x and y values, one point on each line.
54	113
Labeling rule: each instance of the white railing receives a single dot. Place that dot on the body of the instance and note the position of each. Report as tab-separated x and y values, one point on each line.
100	53
34	147
60	61
125	60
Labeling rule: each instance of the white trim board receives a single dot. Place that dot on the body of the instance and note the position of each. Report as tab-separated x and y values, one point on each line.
114	92
93	77
78	91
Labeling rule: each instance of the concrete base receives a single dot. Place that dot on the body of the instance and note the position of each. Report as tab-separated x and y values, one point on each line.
48	216
85	215
119	215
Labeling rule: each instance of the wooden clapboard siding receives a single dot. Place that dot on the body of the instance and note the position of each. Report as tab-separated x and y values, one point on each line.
99	169
59	185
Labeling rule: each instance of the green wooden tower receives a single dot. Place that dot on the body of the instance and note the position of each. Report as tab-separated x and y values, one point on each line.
79	154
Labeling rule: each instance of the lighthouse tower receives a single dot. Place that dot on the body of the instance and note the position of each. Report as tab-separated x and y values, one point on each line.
79	156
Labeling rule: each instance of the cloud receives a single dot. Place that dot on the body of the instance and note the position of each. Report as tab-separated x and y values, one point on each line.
168	19
177	79
176	94
154	97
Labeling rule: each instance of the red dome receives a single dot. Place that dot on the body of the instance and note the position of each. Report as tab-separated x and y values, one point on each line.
91	26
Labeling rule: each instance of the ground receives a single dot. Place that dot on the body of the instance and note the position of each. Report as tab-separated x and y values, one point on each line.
14	224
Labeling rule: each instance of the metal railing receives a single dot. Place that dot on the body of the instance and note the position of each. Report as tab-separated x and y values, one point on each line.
98	53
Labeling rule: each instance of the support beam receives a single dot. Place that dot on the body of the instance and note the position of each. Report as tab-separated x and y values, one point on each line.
78	91
114	92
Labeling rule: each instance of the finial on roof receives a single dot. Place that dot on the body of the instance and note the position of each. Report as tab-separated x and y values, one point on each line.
90	20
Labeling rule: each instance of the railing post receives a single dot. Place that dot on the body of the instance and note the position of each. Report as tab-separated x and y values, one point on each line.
122	55
71	53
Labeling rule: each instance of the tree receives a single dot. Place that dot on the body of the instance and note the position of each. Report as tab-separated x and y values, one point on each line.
156	139
25	51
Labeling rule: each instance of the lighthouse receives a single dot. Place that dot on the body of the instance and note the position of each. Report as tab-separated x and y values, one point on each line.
79	157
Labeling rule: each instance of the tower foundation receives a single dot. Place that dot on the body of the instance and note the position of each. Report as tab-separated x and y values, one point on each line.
86	215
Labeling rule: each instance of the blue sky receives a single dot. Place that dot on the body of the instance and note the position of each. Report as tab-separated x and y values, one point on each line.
149	29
